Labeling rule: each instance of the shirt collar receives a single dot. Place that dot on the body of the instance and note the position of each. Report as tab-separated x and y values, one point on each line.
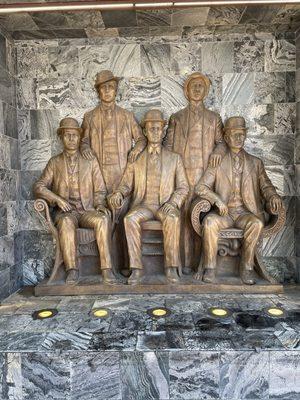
110	107
196	108
72	158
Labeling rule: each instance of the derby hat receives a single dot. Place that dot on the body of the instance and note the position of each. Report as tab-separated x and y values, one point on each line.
68	123
235	123
105	76
153	116
196	75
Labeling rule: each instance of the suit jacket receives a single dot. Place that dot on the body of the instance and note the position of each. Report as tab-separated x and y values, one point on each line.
127	130
173	182
54	181
256	187
178	130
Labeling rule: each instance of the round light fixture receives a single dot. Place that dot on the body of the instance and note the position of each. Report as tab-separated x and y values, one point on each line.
159	312
100	313
44	314
219	312
275	312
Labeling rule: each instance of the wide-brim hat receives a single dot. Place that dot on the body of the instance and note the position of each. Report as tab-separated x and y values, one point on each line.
196	75
68	123
105	76
235	123
153	116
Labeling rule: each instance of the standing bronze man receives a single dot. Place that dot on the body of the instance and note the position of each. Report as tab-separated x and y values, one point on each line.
76	187
108	132
196	134
159	186
238	187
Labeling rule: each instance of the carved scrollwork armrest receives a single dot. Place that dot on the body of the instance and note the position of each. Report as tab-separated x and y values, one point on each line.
198	206
275	223
42	208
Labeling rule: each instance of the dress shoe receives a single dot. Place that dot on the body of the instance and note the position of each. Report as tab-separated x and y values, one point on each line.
172	274
72	276
209	276
108	277
248	277
136	276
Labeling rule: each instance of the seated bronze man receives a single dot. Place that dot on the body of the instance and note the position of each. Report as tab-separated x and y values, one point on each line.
159	187
238	188
75	186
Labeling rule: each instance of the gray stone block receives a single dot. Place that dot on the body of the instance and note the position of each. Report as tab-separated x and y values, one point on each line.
145	375
244	375
194	375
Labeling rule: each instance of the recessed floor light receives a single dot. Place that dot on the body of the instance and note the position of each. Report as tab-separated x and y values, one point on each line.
219	312
159	312
275	311
44	314
100	313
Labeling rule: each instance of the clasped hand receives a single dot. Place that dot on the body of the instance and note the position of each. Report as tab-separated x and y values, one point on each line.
116	200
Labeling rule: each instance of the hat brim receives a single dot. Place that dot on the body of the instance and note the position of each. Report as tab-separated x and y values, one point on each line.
143	123
114	78
59	130
228	128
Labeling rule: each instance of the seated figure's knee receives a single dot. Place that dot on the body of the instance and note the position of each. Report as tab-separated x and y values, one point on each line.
210	221
66	222
101	220
129	219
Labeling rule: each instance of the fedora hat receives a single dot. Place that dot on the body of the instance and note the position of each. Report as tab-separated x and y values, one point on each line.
153	116
196	75
235	123
68	123
105	76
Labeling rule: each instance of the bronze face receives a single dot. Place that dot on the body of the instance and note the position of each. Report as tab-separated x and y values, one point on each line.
154	130
107	91
71	139
235	138
196	90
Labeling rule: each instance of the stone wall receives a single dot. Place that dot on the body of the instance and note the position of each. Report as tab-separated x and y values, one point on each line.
10	260
297	154
253	74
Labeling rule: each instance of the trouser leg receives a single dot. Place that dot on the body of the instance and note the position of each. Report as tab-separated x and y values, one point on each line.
212	225
252	227
101	224
188	232
171	233
66	225
133	230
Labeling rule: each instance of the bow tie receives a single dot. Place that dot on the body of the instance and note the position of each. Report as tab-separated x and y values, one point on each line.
154	150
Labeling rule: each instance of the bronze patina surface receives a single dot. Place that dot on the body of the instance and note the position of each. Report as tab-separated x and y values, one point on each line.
119	194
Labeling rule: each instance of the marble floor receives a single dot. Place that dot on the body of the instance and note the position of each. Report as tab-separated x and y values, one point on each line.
130	354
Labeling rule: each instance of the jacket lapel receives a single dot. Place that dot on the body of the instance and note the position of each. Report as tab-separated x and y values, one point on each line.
226	167
184	120
142	173
165	172
248	167
64	169
83	169
119	119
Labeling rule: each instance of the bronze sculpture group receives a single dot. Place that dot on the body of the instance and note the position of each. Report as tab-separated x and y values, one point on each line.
102	182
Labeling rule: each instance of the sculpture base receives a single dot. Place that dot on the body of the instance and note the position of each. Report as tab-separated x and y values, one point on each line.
187	285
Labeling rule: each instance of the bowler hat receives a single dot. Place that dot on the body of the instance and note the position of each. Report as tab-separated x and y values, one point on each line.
105	76
153	116
68	123
235	123
196	75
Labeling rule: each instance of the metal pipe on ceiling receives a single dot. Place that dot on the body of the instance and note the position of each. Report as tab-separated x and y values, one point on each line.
125	5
